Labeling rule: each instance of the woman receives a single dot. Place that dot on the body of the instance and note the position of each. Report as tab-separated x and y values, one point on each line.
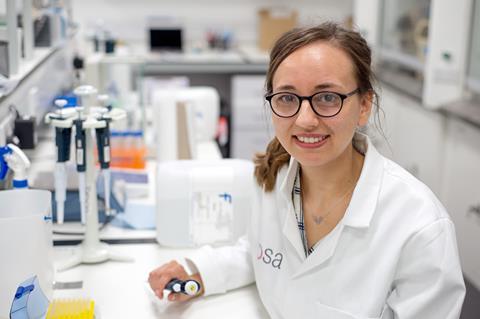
337	230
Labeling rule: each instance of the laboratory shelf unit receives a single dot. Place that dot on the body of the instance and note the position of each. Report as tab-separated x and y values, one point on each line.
33	72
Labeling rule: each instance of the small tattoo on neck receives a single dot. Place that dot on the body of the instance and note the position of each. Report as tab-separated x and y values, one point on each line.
318	219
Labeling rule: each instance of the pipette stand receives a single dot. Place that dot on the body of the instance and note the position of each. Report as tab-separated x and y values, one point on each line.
91	250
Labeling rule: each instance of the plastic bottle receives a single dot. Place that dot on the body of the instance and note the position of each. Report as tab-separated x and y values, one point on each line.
139	150
116	146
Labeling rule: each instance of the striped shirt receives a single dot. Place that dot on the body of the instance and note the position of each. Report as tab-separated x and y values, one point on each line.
298	208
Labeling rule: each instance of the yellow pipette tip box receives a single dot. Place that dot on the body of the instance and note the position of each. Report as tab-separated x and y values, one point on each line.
71	309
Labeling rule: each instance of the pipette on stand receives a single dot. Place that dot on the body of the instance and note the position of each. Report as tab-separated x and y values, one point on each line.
103	145
81	162
104	155
62	141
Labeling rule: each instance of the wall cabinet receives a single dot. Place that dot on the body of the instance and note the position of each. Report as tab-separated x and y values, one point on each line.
444	153
473	80
415	50
461	192
415	138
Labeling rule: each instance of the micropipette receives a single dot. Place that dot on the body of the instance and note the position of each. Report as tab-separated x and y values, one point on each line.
62	141
188	287
103	145
81	163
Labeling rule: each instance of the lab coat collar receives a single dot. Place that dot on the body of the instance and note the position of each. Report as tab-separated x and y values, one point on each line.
287	184
365	196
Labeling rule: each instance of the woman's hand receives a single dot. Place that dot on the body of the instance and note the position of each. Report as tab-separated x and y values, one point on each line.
158	279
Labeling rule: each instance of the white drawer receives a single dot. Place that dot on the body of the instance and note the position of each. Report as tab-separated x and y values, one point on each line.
248	117
247	86
245	144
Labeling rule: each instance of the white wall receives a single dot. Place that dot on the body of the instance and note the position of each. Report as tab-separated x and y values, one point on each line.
127	17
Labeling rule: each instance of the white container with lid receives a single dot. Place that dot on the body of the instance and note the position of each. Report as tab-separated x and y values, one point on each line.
26	246
203	202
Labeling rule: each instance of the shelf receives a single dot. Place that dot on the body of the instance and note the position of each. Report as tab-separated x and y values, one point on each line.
403	59
467	111
254	55
473	84
25	69
241	60
200	68
38	81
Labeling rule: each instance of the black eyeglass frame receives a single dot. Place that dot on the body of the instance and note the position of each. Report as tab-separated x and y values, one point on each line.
309	99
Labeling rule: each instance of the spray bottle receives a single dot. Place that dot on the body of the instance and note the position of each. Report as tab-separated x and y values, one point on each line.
14	158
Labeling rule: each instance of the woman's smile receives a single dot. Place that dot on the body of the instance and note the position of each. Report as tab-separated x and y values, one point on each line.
310	140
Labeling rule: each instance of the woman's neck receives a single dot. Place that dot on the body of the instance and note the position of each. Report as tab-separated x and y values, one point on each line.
329	180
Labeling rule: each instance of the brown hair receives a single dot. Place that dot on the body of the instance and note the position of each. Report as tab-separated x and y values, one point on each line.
268	164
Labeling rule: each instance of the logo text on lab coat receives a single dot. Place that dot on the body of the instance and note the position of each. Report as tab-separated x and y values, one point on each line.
268	256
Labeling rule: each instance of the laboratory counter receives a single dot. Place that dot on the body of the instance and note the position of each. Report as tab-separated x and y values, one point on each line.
120	289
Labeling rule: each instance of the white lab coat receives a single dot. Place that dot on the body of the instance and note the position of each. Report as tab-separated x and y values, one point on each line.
393	255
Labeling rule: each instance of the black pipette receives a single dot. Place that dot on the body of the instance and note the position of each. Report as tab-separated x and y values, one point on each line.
188	287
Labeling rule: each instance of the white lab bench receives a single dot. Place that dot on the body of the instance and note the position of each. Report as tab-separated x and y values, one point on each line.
119	289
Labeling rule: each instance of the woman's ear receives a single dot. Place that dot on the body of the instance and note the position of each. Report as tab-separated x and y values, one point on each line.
366	101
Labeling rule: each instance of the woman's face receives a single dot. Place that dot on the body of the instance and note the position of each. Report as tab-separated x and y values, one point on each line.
309	138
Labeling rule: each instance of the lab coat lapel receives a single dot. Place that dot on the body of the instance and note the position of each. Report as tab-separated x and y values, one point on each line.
290	226
365	196
323	252
292	233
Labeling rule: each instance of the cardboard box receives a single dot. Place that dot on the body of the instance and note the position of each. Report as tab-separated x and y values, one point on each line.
272	23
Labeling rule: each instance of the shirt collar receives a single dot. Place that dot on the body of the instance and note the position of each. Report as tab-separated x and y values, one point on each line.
289	178
365	196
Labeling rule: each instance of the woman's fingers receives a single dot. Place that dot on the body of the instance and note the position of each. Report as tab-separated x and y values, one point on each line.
178	297
159	277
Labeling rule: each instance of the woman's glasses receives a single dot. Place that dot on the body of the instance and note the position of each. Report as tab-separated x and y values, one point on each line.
324	104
